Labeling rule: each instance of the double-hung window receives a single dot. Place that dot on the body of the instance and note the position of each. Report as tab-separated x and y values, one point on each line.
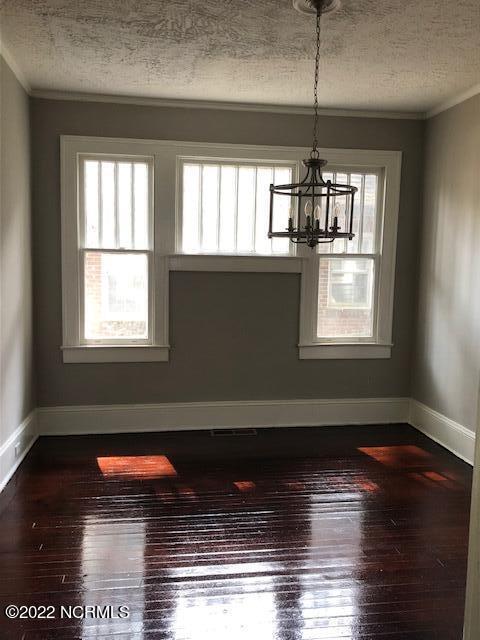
113	283
133	210
115	250
346	279
347	292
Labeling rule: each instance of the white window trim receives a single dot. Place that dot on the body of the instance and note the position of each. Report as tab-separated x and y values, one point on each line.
310	347
167	156
237	263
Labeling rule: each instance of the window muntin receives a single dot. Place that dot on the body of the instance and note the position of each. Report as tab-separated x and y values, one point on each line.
225	207
115	224
347	287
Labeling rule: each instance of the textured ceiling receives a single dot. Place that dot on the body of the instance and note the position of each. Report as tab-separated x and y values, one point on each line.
376	54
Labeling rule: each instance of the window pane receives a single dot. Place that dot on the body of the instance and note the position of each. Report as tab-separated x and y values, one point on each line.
263	244
356	180
210	205
116	296
141	205
228	209
339	209
345	298
281	211
230	204
369	213
107	240
92	229
125	205
191	209
246	209
116	204
364	213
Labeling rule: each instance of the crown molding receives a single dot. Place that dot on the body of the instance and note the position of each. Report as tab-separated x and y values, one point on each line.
452	102
224	106
12	63
48	94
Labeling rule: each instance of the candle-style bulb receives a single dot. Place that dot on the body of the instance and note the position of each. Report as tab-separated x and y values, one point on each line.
308	208
291	216
317	212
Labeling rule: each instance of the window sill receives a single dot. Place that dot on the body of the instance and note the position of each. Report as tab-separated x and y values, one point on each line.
235	263
334	351
116	353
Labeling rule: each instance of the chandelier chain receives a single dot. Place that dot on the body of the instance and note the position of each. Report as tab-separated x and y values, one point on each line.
315	86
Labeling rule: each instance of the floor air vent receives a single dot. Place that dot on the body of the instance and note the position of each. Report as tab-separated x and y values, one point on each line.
233	432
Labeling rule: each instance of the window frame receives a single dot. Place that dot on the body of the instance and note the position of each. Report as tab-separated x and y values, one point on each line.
167	158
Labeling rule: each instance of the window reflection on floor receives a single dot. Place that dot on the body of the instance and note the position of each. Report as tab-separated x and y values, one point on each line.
336	543
112	562
398	456
366	485
432	479
245	486
239	617
142	467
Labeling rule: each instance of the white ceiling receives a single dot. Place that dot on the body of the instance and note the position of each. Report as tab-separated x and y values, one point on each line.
407	55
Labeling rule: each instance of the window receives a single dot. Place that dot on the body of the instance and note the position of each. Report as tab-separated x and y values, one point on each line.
133	210
113	284
346	283
225	207
348	291
115	249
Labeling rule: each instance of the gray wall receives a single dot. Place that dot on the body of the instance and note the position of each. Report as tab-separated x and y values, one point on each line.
16	350
234	336
447	358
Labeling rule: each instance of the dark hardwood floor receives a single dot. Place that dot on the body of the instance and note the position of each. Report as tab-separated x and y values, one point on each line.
291	534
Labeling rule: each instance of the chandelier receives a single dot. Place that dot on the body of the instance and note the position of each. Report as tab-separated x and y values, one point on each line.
316	205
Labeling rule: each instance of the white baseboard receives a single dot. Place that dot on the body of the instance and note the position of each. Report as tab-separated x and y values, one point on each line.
450	434
14	450
206	415
97	419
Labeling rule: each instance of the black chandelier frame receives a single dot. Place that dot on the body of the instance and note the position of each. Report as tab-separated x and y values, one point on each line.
309	228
